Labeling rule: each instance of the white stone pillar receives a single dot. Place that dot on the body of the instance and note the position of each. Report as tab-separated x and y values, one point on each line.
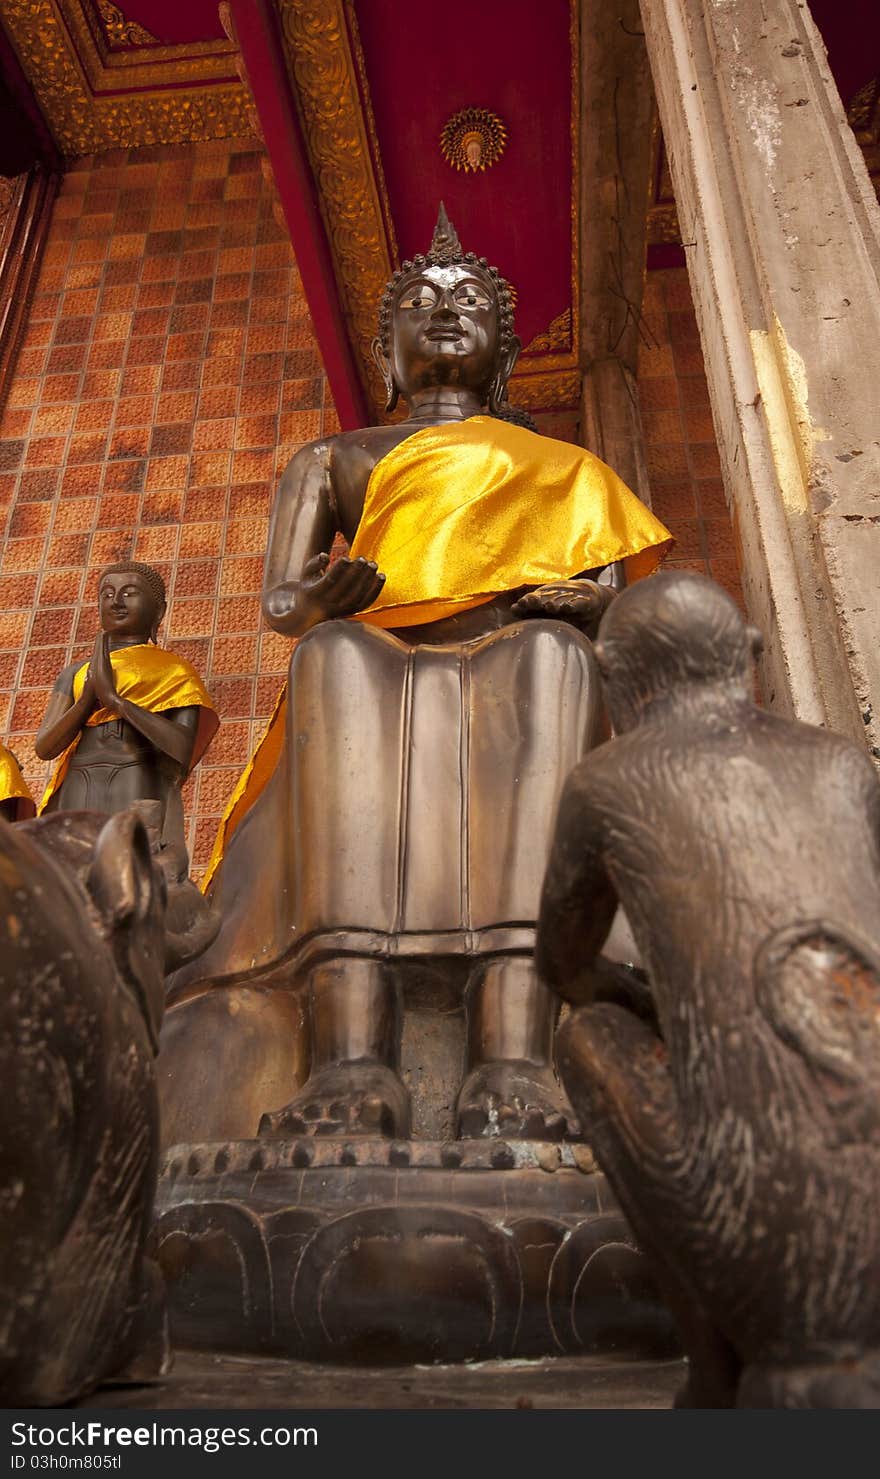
782	236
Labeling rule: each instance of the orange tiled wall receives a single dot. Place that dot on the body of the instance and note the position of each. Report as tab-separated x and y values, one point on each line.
168	372
682	454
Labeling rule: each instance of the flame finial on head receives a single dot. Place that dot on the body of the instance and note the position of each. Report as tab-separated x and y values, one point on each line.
445	246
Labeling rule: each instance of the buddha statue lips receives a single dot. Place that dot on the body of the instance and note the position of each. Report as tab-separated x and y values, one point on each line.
399	810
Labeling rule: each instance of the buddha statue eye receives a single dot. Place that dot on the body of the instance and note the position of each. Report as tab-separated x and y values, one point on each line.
421	296
471	295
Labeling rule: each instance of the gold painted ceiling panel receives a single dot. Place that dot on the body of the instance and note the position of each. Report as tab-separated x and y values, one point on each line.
185	94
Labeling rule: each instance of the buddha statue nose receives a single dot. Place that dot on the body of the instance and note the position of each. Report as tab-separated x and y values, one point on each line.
445	307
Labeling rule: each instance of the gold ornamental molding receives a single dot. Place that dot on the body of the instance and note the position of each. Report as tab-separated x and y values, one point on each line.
122	32
186	94
556	338
322	64
553	390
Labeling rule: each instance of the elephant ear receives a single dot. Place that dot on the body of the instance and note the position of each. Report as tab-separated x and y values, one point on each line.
818	985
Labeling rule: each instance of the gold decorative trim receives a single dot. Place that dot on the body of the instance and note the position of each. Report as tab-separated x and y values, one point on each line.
357	52
122	32
559	390
108	69
227	21
320	62
82	101
556	337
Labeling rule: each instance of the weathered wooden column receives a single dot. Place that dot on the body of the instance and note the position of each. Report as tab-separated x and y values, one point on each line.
782	236
616	113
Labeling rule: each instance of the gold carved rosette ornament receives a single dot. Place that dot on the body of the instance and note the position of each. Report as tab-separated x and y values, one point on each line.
473	139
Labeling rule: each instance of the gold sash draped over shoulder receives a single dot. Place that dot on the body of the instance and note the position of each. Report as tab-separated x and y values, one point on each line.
13	786
155	680
457	514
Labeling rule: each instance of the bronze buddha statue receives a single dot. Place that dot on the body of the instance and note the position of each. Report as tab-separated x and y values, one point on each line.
129	724
391	834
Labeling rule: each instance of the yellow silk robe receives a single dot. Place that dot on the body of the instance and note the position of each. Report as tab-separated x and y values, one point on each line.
457	514
13	786
460	513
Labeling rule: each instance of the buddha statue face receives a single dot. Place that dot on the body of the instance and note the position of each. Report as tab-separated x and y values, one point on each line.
444	330
446	319
131	602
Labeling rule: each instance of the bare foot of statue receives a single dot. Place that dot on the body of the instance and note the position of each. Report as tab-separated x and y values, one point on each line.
345	1099
520	1101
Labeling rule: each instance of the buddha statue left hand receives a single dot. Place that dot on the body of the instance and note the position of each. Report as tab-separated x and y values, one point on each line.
581	602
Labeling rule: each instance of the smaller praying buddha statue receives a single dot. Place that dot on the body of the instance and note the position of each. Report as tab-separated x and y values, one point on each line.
16	801
129	724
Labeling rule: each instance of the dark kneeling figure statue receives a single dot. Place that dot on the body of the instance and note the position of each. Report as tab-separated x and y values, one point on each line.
84	948
442	687
741	1127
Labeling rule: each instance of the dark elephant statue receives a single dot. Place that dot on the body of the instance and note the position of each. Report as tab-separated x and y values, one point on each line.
85	906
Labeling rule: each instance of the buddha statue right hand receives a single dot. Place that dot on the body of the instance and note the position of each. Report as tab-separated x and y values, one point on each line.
342	588
324	593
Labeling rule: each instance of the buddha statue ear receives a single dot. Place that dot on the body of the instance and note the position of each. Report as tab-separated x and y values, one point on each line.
506	364
157	622
392	389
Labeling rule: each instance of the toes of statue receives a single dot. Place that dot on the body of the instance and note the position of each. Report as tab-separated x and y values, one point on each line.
518	1101
375	1115
536	1125
475	1121
345	1099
